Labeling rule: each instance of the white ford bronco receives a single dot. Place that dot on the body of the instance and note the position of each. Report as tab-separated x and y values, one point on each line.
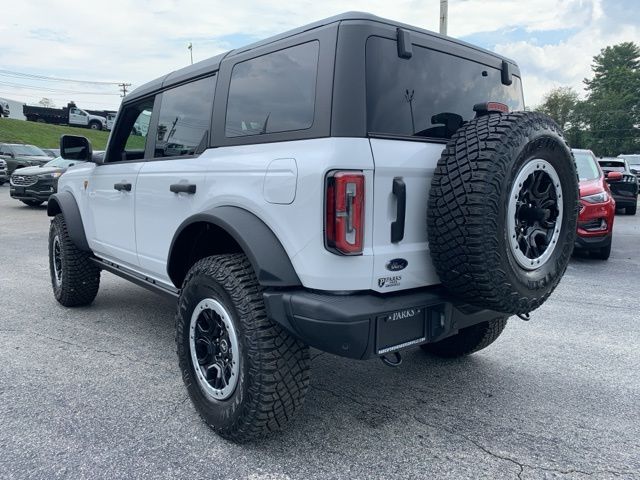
355	185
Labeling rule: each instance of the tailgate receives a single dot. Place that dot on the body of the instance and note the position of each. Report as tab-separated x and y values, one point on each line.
402	263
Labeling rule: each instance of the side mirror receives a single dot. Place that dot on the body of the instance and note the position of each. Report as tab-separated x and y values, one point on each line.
74	147
615	176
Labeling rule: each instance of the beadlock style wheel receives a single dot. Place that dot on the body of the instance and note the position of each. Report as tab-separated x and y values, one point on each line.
535	214
213	343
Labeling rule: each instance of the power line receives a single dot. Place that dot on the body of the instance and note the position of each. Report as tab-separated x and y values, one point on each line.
50	89
34	76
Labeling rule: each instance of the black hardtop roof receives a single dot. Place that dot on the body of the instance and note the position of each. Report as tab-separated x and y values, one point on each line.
211	64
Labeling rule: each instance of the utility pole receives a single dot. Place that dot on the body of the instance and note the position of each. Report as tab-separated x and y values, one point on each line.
190	47
124	86
444	16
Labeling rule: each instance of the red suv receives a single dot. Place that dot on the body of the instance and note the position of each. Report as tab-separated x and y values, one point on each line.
597	207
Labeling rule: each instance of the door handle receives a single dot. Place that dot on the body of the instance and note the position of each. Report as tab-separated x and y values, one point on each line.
189	188
122	187
397	227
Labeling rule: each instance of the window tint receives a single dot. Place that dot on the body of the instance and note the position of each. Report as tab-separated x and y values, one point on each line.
129	139
185	116
431	94
612	166
273	93
586	166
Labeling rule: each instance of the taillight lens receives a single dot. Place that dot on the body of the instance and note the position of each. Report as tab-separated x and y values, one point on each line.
344	212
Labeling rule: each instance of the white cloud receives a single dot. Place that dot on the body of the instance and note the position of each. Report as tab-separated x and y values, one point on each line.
137	41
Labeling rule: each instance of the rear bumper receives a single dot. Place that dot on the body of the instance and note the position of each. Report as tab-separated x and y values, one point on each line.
366	325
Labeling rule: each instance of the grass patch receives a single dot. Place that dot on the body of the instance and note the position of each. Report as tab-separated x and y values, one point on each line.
45	135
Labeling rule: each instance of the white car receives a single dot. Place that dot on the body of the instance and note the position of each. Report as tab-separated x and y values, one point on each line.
355	185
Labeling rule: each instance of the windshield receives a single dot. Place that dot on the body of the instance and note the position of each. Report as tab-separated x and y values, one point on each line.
586	165
28	150
61	163
612	166
632	160
431	94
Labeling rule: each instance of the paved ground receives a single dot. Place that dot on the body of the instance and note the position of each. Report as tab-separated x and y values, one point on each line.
96	393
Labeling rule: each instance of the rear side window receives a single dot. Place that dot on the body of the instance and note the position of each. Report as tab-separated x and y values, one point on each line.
273	93
185	116
586	166
612	166
430	94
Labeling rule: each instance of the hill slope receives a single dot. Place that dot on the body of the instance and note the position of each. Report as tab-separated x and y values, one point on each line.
46	136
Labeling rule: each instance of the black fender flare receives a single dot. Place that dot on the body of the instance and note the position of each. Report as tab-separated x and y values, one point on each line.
66	204
268	257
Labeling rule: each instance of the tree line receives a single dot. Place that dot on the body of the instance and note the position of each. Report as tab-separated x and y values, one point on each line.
607	120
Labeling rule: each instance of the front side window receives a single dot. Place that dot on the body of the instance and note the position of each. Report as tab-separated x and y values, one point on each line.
185	116
129	139
273	93
431	94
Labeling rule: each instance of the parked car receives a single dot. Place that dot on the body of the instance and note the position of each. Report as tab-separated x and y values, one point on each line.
34	185
634	163
597	206
303	209
18	155
69	115
4	176
4	108
111	118
624	187
51	152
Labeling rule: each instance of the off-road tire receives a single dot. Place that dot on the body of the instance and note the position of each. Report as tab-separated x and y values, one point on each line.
80	276
274	366
467	211
631	210
601	253
32	203
468	340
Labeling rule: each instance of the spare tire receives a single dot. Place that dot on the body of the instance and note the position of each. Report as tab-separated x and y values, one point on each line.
502	211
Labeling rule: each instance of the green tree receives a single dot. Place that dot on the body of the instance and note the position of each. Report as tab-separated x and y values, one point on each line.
563	105
612	107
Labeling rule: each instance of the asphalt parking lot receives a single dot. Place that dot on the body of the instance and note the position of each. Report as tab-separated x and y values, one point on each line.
96	392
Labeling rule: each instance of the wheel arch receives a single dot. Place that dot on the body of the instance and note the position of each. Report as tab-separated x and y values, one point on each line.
65	203
229	229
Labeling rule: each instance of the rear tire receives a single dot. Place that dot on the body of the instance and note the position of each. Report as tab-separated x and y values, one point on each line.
74	277
32	203
503	204
631	210
468	340
601	253
221	300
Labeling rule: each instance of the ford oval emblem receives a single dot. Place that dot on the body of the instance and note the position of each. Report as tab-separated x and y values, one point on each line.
396	264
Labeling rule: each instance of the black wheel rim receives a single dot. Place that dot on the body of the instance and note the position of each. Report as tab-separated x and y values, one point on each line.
534	216
57	260
214	349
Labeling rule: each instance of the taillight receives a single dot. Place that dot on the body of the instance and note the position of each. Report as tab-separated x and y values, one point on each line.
344	212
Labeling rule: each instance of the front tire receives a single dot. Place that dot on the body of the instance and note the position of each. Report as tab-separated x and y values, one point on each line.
468	340
601	253
245	375
74	277
631	210
95	126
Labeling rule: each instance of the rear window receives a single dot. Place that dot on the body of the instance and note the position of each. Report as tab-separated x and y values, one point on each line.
586	166
612	166
273	93
431	94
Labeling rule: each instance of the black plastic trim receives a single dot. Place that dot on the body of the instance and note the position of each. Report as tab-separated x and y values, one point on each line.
399	189
268	257
65	203
405	49
138	279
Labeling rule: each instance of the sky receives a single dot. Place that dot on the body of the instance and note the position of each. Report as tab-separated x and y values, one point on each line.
553	41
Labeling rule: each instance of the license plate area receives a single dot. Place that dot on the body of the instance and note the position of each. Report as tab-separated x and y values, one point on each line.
18	190
400	329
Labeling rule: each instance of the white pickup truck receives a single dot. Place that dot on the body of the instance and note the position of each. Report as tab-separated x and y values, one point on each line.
69	115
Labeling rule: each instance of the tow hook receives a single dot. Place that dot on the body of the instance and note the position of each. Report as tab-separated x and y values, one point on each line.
524	316
390	363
